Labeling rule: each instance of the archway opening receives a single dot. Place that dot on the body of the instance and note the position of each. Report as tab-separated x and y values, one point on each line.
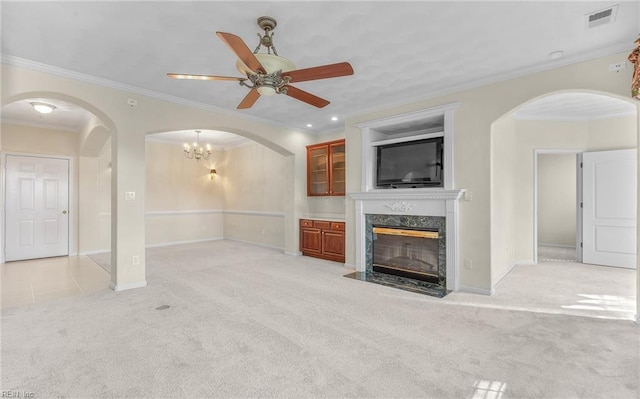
537	133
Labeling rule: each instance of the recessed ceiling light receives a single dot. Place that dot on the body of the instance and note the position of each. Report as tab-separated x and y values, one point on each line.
554	55
334	118
309	125
43	108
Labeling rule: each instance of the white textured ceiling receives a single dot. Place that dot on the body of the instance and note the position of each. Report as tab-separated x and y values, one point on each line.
400	51
575	106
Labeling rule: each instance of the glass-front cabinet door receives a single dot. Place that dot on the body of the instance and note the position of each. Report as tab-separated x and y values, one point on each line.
318	170
326	174
337	178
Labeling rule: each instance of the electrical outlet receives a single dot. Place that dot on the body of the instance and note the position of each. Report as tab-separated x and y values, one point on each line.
129	195
132	102
135	260
468	263
618	66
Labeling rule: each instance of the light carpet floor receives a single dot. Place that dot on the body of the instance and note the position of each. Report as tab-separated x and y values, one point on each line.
247	322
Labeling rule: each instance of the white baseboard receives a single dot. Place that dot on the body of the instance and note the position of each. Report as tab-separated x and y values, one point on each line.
350	266
96	252
127	286
477	290
167	244
299	253
556	245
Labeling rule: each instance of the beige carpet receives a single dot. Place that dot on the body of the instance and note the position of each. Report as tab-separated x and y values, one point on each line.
251	322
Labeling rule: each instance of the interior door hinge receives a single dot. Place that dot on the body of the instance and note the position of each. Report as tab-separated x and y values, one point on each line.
581	205
580	245
580	164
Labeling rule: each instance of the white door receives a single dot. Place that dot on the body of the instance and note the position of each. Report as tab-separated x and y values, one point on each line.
609	208
36	207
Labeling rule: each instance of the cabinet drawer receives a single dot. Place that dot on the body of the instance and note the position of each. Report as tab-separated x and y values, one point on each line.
339	226
321	224
306	223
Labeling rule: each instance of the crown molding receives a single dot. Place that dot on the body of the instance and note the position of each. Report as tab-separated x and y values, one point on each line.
65	73
545	66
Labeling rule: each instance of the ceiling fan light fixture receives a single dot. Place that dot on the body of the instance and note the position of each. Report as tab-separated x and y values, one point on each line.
271	63
266	90
43	108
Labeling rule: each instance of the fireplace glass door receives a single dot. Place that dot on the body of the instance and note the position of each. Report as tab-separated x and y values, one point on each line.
406	252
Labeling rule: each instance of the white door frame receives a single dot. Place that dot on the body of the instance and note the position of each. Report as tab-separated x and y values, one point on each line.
3	190
536	152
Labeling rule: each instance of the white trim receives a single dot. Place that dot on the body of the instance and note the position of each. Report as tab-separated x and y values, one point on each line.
508	270
255	213
167	244
536	153
127	286
557	245
477	290
408	116
214	211
71	250
185	212
258	244
96	252
350	266
409	194
370	136
407	139
290	253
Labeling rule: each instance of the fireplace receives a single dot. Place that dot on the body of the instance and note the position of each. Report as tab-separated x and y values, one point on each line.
410	253
406	252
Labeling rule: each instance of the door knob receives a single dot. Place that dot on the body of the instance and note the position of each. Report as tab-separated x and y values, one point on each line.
64	212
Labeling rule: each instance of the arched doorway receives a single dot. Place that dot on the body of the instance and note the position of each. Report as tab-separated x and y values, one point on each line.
566	122
50	156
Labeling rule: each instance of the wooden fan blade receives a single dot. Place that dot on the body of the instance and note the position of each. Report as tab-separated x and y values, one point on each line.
240	49
320	72
203	77
306	97
249	99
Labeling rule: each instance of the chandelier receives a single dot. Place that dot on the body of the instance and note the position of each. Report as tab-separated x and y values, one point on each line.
196	150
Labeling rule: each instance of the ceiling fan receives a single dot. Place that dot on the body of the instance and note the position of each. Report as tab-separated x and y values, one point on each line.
268	73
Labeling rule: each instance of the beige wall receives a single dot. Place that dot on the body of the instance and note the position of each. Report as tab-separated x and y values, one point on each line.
481	107
557	199
255	180
182	203
503	197
128	127
555	135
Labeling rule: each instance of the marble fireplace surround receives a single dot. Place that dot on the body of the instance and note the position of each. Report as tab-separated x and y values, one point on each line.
409	202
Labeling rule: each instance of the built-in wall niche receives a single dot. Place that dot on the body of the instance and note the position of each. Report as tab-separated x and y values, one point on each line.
400	131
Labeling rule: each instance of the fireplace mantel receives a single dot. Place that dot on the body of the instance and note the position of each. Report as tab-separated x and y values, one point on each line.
408	194
411	202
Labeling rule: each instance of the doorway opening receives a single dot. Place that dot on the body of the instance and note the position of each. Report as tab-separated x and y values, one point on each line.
557	218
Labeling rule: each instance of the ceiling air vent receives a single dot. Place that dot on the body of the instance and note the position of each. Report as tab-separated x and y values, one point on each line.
602	17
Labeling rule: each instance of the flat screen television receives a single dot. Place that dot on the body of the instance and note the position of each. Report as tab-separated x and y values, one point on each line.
410	164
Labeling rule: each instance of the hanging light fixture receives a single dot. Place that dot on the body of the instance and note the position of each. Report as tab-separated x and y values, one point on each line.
196	151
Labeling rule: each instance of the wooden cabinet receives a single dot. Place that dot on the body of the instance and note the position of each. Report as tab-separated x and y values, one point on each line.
326	173
322	239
